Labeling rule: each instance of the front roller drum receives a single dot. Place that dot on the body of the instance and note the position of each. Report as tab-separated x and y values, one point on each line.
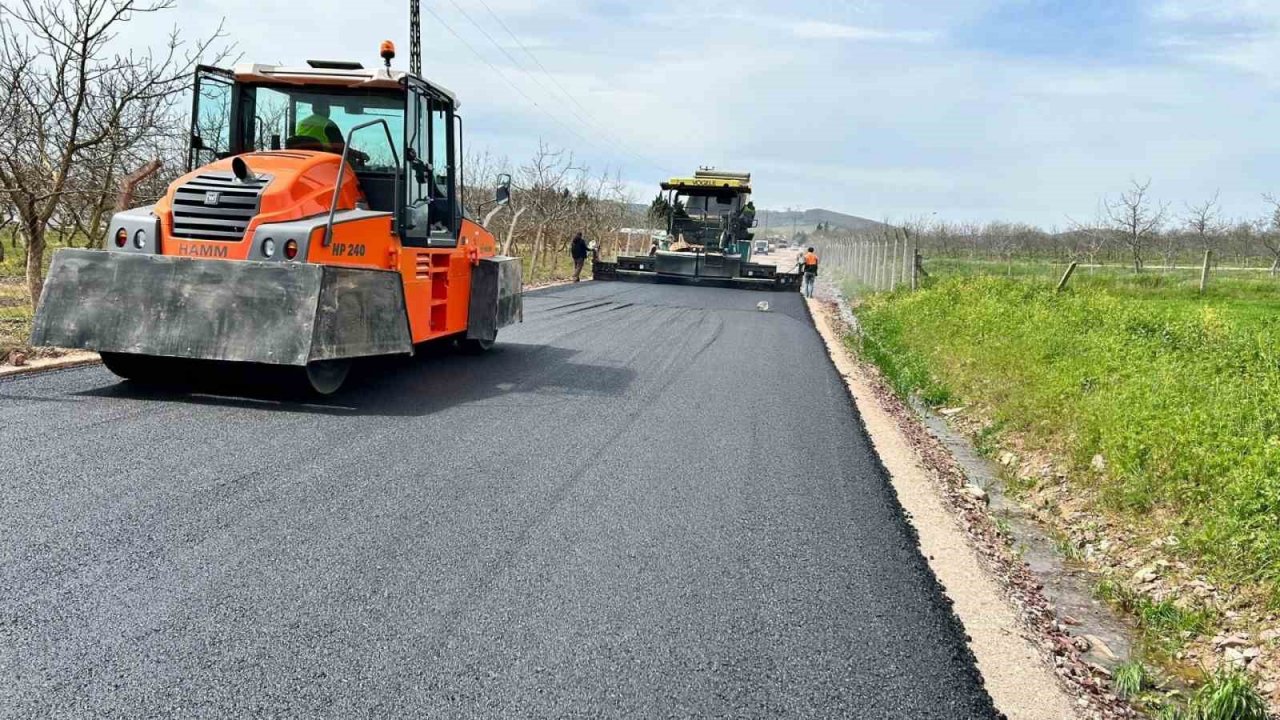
323	377
152	316
145	368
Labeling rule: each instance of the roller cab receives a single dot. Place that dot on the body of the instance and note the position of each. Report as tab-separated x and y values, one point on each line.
320	221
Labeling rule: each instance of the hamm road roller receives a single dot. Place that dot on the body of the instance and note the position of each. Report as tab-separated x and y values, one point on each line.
321	220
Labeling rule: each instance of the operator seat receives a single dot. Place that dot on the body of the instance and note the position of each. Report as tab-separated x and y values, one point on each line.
303	142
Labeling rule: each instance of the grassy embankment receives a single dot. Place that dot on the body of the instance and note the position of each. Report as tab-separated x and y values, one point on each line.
1179	395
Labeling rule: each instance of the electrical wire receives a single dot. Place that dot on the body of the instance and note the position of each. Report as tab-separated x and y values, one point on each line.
507	80
616	145
584	116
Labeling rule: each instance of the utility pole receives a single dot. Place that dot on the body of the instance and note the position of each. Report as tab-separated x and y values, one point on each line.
415	38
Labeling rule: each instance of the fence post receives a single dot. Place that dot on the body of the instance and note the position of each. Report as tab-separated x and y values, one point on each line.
880	265
900	267
1066	276
1204	272
915	268
875	266
884	264
892	265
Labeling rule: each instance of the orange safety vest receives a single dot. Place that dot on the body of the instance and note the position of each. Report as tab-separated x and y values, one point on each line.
810	259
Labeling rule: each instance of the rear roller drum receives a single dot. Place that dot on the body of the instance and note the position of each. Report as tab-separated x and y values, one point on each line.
472	346
325	377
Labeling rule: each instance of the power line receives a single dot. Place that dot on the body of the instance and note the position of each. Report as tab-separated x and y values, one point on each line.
505	79
587	124
533	57
585	116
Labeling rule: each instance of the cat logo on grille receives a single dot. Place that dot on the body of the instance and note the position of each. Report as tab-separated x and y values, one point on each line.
212	198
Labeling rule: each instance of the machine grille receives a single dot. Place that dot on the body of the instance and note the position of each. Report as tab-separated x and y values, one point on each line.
216	206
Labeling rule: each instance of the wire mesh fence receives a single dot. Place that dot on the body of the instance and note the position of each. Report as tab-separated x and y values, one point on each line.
895	259
871	262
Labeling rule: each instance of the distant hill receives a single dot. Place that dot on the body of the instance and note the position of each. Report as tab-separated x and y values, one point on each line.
807	220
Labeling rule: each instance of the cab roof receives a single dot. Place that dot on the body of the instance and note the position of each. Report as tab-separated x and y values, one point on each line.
708	185
350	77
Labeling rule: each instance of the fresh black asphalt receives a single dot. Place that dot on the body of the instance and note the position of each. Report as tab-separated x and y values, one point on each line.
647	501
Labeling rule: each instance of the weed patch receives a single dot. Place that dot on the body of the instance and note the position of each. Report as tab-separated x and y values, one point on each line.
1130	679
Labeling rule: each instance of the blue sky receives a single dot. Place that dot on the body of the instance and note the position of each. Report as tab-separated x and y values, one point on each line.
972	109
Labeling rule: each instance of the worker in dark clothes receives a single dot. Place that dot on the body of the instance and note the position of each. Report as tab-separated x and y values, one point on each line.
578	251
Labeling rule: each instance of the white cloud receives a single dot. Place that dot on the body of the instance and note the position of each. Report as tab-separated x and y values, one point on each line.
1242	35
814	29
1216	10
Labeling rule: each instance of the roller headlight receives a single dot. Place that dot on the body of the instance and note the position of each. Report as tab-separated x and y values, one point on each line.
140	239
268	247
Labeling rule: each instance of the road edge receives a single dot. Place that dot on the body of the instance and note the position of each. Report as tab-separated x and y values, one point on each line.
71	360
1022	668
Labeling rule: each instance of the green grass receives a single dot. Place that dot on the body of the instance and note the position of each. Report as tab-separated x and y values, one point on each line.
15	315
1168	626
1223	695
1130	679
1067	549
1180	394
1164	626
1227	695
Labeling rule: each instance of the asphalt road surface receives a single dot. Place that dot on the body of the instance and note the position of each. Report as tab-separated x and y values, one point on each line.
648	501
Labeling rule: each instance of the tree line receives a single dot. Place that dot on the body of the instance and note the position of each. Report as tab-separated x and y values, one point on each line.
1131	228
84	120
553	196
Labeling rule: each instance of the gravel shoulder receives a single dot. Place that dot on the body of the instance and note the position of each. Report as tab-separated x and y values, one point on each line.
1021	684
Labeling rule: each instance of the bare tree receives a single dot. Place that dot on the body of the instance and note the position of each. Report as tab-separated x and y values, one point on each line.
1136	219
7	215
77	111
1267	231
1204	222
1091	238
482	169
545	191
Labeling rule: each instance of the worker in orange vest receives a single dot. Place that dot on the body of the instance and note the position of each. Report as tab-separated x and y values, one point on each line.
810	263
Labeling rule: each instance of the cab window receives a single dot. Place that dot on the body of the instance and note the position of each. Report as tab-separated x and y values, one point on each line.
307	120
429	189
211	128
